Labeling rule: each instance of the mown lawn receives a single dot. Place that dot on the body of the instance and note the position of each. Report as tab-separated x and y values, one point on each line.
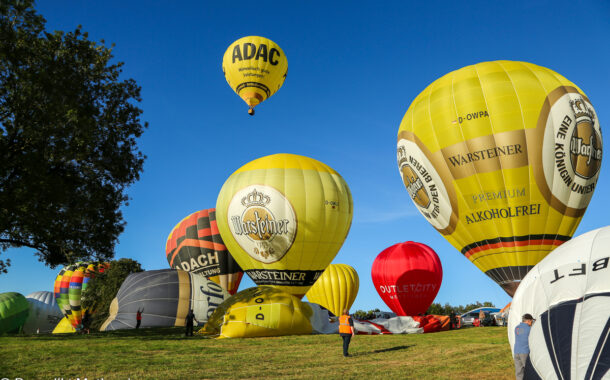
472	353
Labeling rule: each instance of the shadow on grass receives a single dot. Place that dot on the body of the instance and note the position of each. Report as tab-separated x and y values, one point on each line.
155	333
396	348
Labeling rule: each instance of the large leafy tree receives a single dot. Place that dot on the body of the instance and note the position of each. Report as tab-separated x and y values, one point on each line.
103	287
68	130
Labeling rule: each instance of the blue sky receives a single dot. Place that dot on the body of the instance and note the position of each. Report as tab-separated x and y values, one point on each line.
354	68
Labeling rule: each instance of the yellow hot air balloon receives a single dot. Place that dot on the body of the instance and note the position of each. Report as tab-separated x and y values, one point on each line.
255	68
336	289
260	311
284	217
502	159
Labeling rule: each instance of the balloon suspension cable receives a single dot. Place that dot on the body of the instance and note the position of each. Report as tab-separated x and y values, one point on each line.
251	111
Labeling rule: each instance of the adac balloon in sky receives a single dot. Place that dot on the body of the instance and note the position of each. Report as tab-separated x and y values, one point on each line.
502	159
69	285
336	289
255	68
164	297
407	277
195	246
568	293
264	311
44	313
284	218
14	311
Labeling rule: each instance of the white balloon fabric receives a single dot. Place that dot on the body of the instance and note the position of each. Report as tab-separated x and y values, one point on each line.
568	293
44	313
396	325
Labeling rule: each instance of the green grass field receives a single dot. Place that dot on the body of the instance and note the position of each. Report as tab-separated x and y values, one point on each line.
471	353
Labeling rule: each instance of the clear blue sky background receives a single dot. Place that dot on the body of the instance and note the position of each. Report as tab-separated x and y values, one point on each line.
354	68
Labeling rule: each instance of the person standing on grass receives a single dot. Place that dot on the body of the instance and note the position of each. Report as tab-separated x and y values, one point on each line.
522	347
346	330
190	317
481	317
139	318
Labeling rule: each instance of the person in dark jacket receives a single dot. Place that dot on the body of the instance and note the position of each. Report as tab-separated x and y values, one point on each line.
346	330
190	317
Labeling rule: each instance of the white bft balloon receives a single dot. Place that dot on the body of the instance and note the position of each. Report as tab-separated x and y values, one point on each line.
568	293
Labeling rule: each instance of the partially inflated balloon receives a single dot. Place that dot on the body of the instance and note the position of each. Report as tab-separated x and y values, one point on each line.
260	311
502	159
164	297
14	310
255	68
568	293
284	218
407	277
336	289
44	313
70	283
195	246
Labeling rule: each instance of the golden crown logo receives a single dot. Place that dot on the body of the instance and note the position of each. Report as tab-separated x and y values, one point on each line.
581	111
255	198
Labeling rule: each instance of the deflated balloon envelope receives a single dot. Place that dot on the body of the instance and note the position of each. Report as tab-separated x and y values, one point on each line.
336	289
164	297
255	68
502	159
407	277
261	311
195	246
568	293
44	313
14	311
284	217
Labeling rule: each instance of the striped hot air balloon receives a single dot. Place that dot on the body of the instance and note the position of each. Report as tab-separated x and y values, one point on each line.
195	246
69	285
502	159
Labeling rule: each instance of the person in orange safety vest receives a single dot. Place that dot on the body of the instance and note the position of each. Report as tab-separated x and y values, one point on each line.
346	330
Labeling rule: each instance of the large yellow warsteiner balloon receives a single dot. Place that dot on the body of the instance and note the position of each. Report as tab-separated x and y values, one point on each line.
260	311
336	289
255	68
501	158
284	218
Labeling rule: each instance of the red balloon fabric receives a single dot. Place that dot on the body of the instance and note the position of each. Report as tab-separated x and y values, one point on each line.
407	277
433	323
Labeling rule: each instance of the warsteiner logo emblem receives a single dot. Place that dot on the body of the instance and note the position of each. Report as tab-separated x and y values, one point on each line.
571	153
263	222
415	186
585	144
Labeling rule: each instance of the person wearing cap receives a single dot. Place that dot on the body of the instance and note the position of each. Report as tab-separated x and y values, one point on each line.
522	347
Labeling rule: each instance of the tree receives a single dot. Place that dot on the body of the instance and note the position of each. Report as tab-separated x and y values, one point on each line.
104	286
68	129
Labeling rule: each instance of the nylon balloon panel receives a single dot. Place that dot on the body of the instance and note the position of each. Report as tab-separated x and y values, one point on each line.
568	293
195	246
284	217
164	297
501	158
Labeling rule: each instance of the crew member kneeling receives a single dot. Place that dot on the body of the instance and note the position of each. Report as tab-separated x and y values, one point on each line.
346	330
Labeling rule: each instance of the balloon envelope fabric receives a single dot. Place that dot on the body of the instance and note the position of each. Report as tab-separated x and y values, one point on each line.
568	293
502	159
195	246
14	311
336	289
164	297
44	313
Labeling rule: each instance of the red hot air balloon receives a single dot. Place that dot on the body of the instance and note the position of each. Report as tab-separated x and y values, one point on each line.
407	276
